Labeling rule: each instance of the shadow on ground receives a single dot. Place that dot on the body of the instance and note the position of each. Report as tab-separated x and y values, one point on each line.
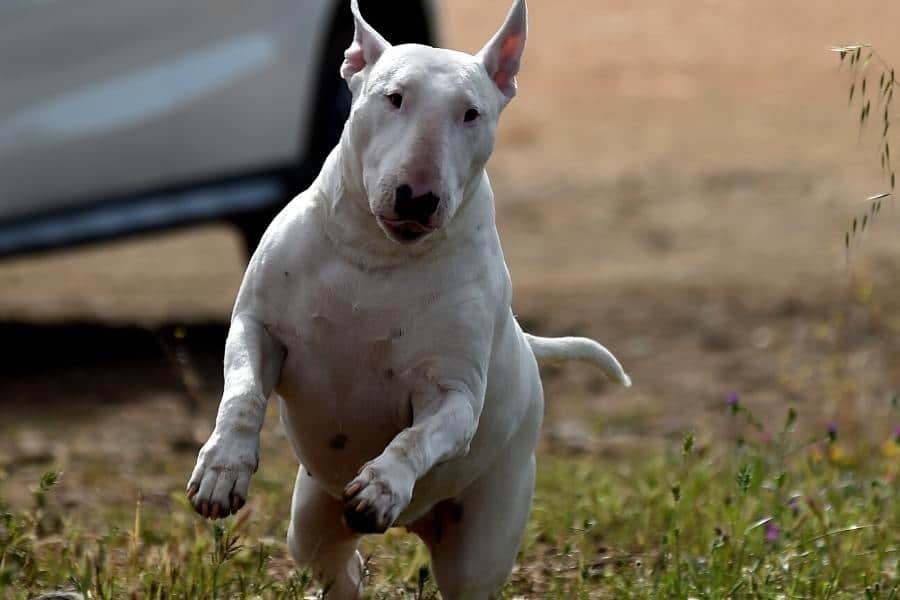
67	370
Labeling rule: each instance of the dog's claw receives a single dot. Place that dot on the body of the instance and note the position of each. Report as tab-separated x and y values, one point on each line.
377	496
352	489
219	484
214	510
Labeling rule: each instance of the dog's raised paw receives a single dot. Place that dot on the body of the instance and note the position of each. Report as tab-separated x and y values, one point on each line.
219	484
376	497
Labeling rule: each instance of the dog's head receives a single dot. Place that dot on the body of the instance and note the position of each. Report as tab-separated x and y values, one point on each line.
423	121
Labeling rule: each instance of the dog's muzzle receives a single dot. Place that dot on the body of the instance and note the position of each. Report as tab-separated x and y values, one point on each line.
413	215
418	208
405	230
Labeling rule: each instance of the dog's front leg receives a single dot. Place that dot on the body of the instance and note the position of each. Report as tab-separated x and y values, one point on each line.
444	423
221	479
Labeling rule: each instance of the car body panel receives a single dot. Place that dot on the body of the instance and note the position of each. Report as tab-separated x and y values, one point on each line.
103	98
122	116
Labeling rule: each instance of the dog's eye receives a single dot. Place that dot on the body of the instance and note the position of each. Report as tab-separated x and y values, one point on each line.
396	100
470	115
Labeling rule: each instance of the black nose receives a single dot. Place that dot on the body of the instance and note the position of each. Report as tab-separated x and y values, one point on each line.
414	209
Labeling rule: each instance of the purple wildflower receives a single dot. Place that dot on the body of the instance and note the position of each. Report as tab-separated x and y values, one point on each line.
733	401
772	532
794	504
832	431
897	435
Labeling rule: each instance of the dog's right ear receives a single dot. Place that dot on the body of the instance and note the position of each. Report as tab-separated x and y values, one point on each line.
367	45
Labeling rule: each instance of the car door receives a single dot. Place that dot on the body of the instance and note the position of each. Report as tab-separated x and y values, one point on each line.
102	98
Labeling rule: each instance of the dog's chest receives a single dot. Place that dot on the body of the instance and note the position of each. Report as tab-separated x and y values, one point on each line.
357	346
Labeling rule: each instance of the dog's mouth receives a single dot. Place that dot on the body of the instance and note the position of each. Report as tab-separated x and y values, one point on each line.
404	230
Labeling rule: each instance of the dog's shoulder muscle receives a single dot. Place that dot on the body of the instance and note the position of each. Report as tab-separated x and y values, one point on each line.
292	242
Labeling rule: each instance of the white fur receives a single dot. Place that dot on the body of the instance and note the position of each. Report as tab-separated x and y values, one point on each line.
410	394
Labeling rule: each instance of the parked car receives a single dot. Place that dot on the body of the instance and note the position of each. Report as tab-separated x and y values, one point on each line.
121	117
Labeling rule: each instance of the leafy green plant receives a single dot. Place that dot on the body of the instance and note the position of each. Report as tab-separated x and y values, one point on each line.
760	512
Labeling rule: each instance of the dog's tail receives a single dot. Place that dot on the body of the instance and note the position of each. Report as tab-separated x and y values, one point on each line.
551	350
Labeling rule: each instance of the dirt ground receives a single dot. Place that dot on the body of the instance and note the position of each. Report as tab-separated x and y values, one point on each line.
674	178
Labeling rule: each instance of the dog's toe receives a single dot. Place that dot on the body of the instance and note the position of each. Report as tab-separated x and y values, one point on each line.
363	517
373	501
221	479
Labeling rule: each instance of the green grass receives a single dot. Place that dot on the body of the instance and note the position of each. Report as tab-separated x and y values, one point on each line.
750	514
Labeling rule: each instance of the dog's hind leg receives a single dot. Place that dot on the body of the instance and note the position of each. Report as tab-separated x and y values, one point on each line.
474	539
319	539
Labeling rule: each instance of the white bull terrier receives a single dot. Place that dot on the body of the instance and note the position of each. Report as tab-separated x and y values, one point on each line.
377	308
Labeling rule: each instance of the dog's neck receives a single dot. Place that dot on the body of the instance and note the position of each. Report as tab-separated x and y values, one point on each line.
353	230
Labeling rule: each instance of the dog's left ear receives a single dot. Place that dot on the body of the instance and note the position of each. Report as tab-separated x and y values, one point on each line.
367	45
501	56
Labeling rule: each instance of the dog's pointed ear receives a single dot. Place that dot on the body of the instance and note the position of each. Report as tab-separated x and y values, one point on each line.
367	45
501	56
